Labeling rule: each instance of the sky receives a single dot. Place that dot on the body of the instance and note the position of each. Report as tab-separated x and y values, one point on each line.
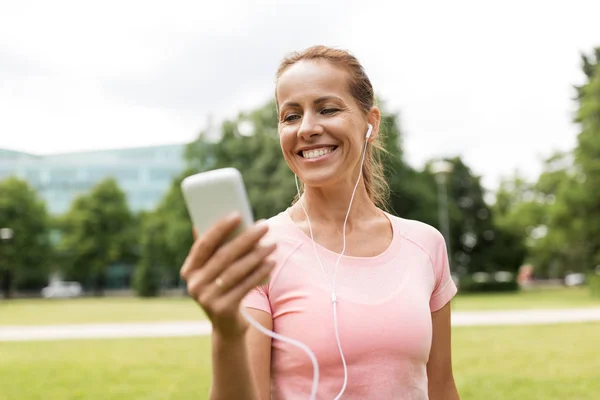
489	81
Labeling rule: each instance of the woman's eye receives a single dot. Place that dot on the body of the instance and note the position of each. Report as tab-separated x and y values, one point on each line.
329	111
291	117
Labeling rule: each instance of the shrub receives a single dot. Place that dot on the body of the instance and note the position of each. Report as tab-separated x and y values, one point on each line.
594	284
146	279
470	285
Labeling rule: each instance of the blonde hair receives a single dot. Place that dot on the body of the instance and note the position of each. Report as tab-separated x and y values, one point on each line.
361	89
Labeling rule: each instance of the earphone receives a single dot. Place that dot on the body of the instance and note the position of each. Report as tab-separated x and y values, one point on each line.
299	344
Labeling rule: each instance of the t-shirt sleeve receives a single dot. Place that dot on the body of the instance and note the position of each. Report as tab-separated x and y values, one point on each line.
258	298
445	288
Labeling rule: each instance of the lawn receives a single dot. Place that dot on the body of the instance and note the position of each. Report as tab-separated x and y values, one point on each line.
527	362
119	309
560	297
97	310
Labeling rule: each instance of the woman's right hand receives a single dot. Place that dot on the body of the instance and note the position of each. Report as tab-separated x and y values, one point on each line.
219	276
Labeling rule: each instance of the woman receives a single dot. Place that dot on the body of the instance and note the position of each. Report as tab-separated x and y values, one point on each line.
389	276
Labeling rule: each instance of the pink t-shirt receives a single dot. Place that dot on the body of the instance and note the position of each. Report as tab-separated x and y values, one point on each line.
384	313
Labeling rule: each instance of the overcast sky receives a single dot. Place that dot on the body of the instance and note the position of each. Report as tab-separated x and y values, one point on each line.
491	81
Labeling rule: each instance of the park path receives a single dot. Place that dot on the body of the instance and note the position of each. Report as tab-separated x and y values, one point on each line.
201	328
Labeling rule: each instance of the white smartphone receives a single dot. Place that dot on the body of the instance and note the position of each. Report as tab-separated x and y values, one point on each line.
212	195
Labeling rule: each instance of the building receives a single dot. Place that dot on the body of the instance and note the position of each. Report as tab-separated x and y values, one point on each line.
143	173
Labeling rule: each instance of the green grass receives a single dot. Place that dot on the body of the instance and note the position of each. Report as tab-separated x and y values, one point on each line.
119	309
97	310
560	297
527	362
145	369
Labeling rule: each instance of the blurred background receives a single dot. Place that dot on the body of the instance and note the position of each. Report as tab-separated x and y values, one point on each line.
492	123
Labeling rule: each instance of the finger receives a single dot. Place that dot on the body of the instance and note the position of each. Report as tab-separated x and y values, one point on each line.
196	283
205	246
239	247
240	270
195	234
237	294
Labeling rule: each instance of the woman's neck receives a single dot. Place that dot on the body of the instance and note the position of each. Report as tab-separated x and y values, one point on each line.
330	206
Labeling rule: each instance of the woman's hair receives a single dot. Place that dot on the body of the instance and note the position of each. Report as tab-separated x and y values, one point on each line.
361	89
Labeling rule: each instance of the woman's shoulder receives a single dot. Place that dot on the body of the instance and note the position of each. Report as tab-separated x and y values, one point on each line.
418	232
282	229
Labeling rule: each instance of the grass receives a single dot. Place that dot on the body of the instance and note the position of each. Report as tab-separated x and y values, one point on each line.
528	362
97	310
560	297
525	362
119	309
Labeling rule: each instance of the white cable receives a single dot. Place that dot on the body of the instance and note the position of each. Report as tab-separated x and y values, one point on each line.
332	287
293	342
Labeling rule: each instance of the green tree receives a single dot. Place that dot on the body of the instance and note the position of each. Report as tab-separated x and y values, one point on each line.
519	214
587	157
479	240
471	229
25	251
150	269
568	191
98	231
412	192
556	243
170	228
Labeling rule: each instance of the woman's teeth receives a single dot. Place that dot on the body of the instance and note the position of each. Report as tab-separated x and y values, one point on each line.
317	152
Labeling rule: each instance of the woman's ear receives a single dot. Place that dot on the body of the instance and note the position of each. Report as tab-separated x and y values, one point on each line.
374	118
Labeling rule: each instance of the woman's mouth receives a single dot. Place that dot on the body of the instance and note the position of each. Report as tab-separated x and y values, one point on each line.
317	153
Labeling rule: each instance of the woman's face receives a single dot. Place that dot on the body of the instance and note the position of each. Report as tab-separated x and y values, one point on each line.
321	128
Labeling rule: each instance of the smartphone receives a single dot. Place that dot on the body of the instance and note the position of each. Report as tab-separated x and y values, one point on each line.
212	195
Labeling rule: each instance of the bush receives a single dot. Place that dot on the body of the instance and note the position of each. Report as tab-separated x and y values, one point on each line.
469	285
146	279
594	284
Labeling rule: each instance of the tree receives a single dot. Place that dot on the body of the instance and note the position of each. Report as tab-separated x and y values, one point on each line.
150	270
548	216
98	231
520	215
169	229
587	156
25	251
479	240
412	192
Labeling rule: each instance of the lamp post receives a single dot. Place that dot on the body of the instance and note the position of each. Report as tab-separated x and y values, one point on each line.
6	235
442	169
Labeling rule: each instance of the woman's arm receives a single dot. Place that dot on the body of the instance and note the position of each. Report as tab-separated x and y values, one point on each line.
439	366
241	364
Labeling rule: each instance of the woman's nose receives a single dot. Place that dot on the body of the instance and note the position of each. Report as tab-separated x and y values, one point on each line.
309	127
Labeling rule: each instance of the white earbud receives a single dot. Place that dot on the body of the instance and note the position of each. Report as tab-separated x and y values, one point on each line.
369	131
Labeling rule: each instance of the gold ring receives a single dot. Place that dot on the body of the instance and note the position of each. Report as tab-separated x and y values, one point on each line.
219	282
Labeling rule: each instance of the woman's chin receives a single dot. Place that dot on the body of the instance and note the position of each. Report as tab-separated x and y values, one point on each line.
322	178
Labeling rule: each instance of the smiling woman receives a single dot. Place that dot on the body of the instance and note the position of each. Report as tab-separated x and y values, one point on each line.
366	291
344	72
